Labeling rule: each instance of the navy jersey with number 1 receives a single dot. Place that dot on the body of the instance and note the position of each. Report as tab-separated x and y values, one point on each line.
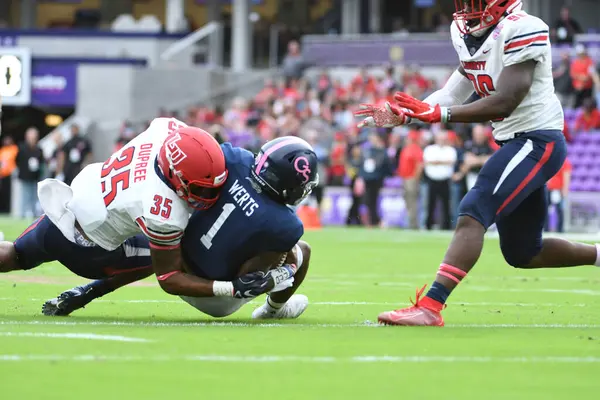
242	224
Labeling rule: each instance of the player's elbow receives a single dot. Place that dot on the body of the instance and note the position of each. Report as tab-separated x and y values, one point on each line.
170	286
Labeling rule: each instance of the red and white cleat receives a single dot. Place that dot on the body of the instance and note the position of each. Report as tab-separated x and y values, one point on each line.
423	312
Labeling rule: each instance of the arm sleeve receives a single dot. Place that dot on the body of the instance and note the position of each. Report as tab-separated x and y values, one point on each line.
455	92
527	42
161	236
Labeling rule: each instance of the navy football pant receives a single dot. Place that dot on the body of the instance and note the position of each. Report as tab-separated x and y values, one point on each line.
43	242
511	191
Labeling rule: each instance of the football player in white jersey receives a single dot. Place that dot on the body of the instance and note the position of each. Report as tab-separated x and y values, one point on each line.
505	57
150	186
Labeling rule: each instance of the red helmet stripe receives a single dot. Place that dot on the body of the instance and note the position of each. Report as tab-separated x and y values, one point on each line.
270	151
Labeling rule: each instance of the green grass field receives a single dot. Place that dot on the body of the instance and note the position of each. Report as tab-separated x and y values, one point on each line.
510	334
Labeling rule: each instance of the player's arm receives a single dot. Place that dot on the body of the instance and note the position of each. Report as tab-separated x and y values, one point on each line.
456	91
513	85
168	265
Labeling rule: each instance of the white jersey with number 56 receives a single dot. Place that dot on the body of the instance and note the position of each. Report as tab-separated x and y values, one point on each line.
125	196
517	38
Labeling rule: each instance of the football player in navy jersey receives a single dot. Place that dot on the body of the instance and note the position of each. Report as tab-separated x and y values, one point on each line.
237	244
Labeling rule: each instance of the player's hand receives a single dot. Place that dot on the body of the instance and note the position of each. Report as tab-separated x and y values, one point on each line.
386	116
256	283
420	110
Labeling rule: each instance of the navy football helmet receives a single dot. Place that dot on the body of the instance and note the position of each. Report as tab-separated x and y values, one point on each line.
286	169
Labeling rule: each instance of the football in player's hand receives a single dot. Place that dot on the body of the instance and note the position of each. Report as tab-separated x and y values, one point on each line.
264	262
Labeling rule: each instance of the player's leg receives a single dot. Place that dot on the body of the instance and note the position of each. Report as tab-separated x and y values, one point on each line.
29	249
286	304
112	270
514	172
522	244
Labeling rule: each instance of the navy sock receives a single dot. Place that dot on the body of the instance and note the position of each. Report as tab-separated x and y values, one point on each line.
438	292
99	287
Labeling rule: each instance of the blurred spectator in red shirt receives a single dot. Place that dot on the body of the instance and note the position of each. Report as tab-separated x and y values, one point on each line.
337	160
412	76
267	93
581	73
410	168
364	81
339	89
589	118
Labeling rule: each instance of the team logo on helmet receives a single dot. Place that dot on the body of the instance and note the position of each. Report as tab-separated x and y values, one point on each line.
173	150
302	166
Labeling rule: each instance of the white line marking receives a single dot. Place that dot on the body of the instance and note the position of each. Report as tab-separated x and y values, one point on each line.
87	336
211	358
525	278
338	303
224	324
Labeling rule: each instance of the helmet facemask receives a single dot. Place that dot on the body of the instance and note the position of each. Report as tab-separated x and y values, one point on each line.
476	17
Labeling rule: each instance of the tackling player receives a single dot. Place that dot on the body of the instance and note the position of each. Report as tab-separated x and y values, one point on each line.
150	186
250	228
505	57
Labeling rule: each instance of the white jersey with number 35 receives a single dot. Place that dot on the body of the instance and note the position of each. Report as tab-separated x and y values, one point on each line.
125	195
517	38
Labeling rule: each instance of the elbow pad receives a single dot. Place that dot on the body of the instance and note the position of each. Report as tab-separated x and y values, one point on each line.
455	92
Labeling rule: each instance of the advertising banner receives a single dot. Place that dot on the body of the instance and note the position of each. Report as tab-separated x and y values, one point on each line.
54	83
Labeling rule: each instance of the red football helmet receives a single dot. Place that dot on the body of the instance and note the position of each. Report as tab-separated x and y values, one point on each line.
193	162
476	16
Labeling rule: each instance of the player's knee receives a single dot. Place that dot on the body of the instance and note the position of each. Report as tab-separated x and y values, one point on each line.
466	222
306	251
8	257
475	205
518	256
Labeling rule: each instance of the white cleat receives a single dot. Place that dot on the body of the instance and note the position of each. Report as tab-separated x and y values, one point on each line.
293	308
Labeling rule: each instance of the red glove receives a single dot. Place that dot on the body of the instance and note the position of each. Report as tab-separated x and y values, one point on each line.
422	111
387	116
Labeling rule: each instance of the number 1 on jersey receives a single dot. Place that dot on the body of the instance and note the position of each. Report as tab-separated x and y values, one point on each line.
207	238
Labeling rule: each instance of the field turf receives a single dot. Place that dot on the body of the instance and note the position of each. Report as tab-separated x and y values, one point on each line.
510	334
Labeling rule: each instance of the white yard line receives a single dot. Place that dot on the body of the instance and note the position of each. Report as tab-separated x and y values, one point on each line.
86	336
225	324
215	358
397	276
334	303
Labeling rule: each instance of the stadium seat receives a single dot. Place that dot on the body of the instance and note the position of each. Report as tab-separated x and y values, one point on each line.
124	23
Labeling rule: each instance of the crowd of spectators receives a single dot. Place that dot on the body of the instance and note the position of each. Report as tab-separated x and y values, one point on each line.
26	160
437	164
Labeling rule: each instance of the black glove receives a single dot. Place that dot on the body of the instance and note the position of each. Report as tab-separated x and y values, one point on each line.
252	285
256	283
